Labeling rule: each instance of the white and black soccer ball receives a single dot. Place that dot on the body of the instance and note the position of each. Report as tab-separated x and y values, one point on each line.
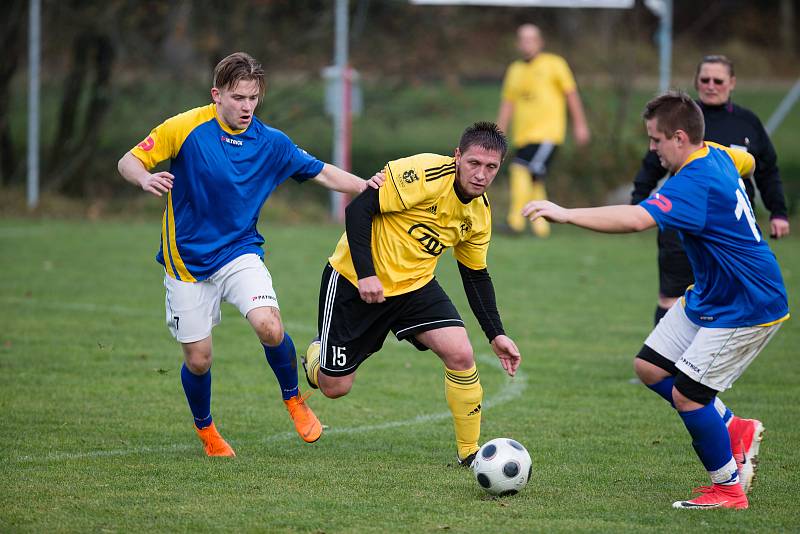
502	466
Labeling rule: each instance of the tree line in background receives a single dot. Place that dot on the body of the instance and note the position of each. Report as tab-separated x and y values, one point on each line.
98	53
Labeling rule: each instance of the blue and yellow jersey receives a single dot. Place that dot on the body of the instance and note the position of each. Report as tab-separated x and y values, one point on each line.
737	279
222	179
420	218
538	90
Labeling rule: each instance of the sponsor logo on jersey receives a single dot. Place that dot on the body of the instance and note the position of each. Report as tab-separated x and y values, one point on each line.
428	238
230	141
257	298
410	176
661	202
148	144
432	210
465	226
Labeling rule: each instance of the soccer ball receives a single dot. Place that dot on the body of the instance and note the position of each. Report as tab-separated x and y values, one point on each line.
502	466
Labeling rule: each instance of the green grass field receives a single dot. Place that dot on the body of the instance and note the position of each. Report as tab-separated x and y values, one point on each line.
98	436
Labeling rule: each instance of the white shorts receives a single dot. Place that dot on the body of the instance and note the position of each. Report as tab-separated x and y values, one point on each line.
193	308
714	357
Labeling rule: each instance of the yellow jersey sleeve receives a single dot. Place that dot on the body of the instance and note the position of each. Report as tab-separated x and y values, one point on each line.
744	162
509	91
165	140
563	75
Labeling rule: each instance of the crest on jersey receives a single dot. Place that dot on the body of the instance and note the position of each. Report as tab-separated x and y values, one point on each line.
410	176
465	226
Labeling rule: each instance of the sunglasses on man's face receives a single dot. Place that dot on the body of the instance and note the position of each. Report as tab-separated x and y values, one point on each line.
717	81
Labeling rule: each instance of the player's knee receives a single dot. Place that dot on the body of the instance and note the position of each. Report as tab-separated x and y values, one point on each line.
269	330
686	393
198	362
460	358
646	371
197	356
333	388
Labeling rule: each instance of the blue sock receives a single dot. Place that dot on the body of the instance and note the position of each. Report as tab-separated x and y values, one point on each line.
711	442
283	361
664	389
198	393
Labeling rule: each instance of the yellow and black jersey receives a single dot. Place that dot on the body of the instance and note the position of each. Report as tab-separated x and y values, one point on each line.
538	90
420	218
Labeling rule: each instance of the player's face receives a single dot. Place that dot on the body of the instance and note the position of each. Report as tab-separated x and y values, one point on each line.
476	169
714	84
667	149
529	41
236	105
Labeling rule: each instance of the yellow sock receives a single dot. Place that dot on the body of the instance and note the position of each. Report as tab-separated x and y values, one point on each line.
312	363
521	192
464	395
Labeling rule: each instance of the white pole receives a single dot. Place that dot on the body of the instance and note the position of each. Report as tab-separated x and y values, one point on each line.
665	46
783	108
340	62
34	56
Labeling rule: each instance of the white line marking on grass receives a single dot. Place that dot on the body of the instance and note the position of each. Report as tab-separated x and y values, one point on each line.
90	307
511	389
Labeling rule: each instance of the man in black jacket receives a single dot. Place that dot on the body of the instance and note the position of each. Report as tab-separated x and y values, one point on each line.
730	125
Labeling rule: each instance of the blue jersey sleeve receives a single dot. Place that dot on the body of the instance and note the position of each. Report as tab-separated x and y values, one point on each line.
680	204
297	163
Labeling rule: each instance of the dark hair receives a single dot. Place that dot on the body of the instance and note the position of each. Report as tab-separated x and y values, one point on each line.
673	111
714	58
486	135
237	67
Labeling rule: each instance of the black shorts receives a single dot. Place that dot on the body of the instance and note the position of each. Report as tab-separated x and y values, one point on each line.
351	330
536	158
674	271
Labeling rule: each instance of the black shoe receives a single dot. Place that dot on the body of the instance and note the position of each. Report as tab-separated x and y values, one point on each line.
467	462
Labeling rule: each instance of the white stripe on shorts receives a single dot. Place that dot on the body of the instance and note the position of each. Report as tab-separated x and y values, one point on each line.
327	314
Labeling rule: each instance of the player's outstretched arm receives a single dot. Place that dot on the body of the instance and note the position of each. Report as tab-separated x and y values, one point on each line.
332	177
133	170
607	219
507	352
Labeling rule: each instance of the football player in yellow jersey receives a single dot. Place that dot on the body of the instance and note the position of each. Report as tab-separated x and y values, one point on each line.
380	278
536	90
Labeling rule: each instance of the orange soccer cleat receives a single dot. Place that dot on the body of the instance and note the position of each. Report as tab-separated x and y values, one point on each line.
213	443
746	435
305	422
716	496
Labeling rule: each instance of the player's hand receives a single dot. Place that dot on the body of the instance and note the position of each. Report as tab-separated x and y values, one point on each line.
778	228
544	208
508	353
371	290
377	180
582	135
157	183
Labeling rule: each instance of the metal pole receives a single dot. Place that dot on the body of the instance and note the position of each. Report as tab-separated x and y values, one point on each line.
665	46
34	56
783	108
340	118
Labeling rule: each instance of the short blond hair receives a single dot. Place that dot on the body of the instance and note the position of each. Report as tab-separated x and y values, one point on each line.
237	67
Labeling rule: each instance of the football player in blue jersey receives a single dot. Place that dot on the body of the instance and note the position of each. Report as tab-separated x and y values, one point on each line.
224	163
738	302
